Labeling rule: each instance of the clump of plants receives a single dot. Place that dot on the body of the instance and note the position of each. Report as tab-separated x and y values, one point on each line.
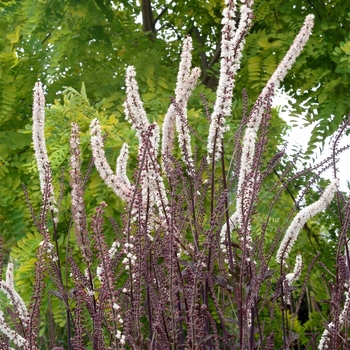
198	259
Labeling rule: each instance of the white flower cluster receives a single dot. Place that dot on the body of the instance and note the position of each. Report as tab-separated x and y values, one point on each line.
292	54
153	189
40	151
116	307
38	133
300	220
295	275
120	320
48	248
113	250
232	44
117	184
99	272
223	234
90	292
133	106
135	112
245	180
177	112
17	339
120	336
281	71
122	160
130	256
151	182
7	287
325	335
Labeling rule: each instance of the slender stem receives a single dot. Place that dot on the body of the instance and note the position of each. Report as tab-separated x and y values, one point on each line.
149	308
192	195
68	313
227	217
283	315
259	325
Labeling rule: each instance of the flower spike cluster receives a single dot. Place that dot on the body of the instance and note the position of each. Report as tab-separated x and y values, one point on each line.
151	182
177	295
148	135
153	189
20	309
260	108
232	44
177	113
117	184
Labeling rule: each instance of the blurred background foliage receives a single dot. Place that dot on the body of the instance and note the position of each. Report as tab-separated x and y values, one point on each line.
80	49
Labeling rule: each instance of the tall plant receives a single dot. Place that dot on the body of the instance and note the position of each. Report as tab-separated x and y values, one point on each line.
193	266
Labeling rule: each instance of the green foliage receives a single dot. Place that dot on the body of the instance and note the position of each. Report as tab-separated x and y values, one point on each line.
67	43
24	254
